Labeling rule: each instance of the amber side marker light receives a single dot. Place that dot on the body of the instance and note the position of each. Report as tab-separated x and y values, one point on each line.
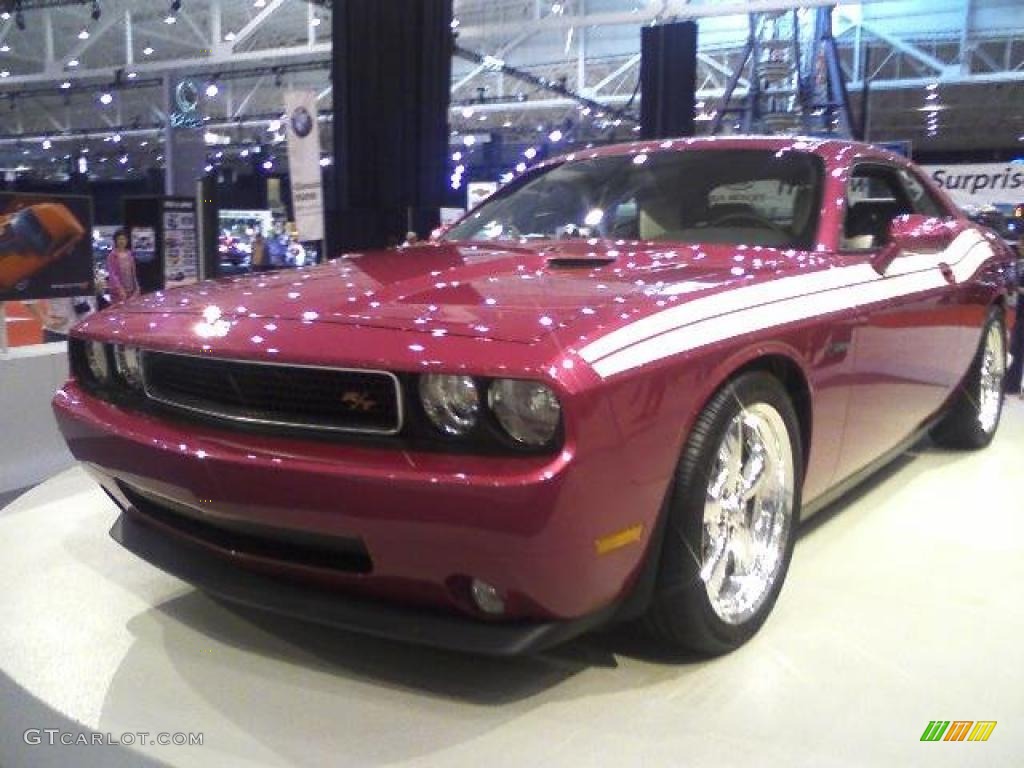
607	544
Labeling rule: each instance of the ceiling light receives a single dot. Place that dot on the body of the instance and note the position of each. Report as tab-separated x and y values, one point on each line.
268	165
116	138
123	160
84	34
132	75
47	143
65	85
229	37
73	63
5	48
170	18
932	86
260	3
106	98
147	51
212	90
555	136
316	21
5	73
5	15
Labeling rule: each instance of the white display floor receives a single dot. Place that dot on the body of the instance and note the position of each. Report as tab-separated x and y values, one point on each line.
904	605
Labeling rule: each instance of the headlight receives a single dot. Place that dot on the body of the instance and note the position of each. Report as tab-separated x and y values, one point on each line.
450	402
527	410
96	357
128	362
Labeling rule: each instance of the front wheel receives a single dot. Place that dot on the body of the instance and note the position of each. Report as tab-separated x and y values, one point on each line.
973	418
732	519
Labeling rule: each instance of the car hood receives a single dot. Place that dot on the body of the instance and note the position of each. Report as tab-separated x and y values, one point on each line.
510	293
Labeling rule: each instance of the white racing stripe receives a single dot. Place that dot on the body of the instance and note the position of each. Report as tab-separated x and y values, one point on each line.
717	318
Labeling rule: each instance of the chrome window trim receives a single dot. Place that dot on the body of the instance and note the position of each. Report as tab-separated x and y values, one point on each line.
399	403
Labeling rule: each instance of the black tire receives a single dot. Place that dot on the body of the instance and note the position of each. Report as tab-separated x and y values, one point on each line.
681	614
961	428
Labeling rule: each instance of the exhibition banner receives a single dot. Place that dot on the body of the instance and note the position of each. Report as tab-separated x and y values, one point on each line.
45	246
304	160
980	184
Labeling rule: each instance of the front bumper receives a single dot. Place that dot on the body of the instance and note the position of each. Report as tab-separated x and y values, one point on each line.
323	606
429	523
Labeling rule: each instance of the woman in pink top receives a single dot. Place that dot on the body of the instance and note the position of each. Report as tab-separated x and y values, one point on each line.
121	277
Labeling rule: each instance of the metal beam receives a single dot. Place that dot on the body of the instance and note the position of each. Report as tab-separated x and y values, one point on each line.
676	9
105	25
618	72
319	54
902	46
246	32
504	50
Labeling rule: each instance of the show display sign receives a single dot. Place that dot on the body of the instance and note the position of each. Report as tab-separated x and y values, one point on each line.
45	246
165	240
980	184
304	161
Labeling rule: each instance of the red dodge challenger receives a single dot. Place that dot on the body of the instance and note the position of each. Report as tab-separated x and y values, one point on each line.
610	392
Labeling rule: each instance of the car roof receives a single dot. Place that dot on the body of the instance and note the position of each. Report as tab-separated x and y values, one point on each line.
836	150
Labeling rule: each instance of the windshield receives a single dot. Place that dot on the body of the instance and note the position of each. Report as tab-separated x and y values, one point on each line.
752	197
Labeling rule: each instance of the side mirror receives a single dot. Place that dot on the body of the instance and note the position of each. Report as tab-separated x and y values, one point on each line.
914	232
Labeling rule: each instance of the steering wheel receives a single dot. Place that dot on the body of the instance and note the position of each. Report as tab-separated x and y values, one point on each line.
751	218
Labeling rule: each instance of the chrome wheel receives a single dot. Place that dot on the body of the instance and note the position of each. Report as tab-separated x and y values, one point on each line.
748	513
993	369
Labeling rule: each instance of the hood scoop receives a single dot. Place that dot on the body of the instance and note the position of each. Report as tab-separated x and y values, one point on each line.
570	257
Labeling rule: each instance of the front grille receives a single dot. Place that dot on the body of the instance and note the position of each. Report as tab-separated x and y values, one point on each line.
272	394
284	546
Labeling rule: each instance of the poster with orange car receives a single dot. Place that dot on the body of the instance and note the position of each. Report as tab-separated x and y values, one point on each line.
45	246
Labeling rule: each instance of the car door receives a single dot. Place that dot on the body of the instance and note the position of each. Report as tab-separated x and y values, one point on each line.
908	348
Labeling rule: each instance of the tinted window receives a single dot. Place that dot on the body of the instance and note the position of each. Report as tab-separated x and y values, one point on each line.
751	197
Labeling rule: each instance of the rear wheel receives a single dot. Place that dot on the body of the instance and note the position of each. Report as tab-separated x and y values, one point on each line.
974	416
732	519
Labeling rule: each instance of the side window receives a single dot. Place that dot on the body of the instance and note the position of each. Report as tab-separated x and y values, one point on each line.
920	196
875	195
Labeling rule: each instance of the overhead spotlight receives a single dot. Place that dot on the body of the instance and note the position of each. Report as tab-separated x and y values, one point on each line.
316	21
268	165
123	160
5	73
84	34
170	18
73	63
65	85
96	11
260	3
229	37
132	75
5	15
47	143
212	89
5	48
106	98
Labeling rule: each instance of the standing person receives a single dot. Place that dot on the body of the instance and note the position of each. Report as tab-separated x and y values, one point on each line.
258	257
122	280
58	315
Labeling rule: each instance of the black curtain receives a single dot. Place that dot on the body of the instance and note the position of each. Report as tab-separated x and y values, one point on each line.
668	80
392	75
